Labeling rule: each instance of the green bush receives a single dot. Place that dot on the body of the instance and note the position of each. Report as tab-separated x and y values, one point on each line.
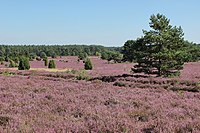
24	64
82	75
112	55
12	64
45	61
88	64
52	64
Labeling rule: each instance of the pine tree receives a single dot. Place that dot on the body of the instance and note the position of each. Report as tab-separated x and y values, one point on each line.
160	50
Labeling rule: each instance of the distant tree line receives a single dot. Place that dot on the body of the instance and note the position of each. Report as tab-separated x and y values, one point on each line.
34	51
20	55
49	50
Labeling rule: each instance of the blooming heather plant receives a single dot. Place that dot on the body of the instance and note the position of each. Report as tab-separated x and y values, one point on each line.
42	101
41	104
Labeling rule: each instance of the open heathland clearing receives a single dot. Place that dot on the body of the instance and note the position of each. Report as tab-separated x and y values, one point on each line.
108	98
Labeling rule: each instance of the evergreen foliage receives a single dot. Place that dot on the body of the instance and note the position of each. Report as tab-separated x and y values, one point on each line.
112	55
82	56
52	64
88	64
12	64
33	51
45	61
24	64
32	56
53	55
43	55
160	50
128	51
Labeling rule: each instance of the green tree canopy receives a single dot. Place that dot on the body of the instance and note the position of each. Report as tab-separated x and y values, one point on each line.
128	50
82	56
160	50
43	55
112	55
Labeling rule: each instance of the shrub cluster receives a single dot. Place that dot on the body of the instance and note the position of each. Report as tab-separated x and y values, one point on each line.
24	64
52	64
88	64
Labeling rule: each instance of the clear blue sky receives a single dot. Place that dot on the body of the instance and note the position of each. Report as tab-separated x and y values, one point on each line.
107	22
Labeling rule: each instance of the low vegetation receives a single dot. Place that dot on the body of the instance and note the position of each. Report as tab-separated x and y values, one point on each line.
24	64
88	64
52	64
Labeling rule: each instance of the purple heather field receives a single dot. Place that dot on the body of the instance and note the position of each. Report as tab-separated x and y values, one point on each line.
107	99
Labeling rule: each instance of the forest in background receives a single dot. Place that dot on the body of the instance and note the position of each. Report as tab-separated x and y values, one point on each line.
32	51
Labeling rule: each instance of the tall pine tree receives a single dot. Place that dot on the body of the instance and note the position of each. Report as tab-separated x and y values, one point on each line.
160	50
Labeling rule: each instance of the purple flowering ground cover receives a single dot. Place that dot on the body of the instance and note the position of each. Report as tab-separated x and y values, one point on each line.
40	102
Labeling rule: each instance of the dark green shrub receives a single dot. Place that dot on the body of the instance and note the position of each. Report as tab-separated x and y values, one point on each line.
120	84
112	55
45	61
104	56
24	64
88	64
52	64
108	79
